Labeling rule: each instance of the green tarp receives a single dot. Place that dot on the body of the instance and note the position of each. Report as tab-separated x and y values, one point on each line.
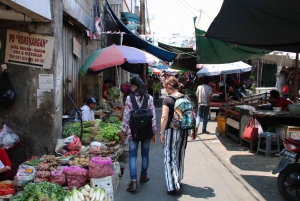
211	51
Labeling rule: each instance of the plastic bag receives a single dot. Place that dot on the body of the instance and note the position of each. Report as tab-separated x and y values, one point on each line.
61	143
25	174
75	176
58	177
75	145
8	138
286	89
100	167
7	93
258	125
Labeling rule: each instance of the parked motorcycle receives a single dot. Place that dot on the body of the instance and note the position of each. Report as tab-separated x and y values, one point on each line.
288	181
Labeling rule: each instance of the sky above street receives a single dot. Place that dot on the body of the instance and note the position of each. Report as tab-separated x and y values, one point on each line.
176	16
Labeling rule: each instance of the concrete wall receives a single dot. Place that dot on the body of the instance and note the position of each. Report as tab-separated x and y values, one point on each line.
38	129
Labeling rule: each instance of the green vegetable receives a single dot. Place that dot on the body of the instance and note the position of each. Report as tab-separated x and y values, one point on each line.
44	191
113	119
34	162
87	130
108	133
71	129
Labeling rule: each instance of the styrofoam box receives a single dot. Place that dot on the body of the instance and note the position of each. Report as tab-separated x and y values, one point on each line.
109	183
116	167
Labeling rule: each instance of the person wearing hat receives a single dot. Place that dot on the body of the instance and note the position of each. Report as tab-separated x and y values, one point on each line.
88	110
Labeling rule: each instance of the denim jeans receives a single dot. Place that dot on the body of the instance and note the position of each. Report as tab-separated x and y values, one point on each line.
201	113
133	147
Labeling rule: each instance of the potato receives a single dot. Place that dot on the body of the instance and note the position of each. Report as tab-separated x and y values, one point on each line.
82	156
76	159
82	159
71	162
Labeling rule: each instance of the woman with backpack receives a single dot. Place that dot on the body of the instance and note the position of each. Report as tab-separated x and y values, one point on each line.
139	92
174	140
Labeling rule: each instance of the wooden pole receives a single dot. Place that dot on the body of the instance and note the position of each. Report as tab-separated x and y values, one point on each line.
295	91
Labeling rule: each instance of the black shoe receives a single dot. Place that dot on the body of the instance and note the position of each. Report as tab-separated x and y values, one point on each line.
144	179
132	186
174	191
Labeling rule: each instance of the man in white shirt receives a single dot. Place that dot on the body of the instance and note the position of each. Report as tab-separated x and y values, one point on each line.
88	110
203	95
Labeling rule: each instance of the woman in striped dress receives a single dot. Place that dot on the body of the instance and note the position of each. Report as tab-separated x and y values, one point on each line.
174	140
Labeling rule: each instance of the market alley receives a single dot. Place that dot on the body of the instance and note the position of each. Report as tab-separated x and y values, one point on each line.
216	168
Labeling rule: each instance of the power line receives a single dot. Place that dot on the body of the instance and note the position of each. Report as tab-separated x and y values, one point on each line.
182	8
186	8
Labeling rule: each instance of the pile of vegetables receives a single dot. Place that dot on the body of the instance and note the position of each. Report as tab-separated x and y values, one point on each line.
87	194
51	161
109	133
71	129
75	176
80	161
89	131
44	191
33	161
6	189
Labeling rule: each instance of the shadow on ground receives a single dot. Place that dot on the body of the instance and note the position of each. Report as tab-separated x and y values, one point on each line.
266	186
194	192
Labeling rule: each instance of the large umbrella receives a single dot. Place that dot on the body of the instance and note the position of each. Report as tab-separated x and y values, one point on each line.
217	69
153	71
116	55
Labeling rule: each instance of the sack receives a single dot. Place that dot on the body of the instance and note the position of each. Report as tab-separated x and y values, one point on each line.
183	117
58	177
141	120
286	89
8	138
7	93
75	176
251	131
100	167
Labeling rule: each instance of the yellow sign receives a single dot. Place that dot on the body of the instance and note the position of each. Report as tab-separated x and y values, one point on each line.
29	49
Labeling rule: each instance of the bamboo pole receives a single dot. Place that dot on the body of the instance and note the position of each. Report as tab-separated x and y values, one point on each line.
295	91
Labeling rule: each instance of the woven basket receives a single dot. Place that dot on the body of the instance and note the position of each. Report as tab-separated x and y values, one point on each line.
294	109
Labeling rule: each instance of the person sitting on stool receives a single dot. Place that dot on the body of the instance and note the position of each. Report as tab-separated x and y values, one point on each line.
88	110
6	172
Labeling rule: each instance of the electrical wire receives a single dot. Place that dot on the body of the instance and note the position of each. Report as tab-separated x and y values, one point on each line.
191	6
191	13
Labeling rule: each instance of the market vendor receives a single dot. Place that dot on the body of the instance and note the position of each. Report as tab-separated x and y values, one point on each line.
113	91
88	110
277	101
105	94
6	172
232	95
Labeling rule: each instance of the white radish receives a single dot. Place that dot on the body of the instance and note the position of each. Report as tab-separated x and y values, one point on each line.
102	194
87	188
94	196
87	199
80	195
84	192
98	194
66	199
70	198
91	192
75	195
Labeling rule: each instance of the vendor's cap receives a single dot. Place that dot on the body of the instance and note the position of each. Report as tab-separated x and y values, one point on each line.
91	100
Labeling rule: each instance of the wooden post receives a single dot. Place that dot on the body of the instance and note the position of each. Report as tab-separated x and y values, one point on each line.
295	91
142	21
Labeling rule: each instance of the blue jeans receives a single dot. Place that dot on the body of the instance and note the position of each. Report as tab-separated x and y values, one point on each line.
201	113
133	147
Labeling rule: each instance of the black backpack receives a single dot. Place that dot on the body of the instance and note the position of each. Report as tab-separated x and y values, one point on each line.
141	120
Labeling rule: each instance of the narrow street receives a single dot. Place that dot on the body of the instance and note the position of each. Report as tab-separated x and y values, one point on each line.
216	168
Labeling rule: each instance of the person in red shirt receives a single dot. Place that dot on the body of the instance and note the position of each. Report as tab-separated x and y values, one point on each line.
6	172
105	89
279	101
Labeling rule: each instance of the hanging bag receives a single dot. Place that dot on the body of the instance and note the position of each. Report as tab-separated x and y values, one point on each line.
286	89
251	131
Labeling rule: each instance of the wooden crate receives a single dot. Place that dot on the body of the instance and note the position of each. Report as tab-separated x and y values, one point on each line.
288	131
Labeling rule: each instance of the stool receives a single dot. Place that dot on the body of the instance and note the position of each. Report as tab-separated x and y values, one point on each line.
268	136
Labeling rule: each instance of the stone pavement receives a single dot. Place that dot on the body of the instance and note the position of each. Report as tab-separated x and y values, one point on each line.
216	168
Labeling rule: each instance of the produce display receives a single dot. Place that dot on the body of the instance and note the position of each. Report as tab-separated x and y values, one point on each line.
81	161
71	129
87	193
33	161
95	151
51	161
44	191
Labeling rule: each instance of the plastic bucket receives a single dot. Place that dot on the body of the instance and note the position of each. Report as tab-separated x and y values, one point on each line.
213	115
221	123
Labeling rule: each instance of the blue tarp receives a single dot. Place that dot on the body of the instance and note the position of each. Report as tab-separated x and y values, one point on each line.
140	43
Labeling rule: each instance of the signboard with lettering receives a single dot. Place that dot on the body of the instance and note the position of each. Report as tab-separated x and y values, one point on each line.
29	49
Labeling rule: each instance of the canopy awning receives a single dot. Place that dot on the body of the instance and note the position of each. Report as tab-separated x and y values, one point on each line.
140	43
211	51
130	17
265	24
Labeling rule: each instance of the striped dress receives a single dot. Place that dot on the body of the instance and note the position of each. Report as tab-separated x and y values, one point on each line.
174	151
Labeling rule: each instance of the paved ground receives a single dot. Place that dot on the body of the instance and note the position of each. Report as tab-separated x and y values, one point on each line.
216	168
